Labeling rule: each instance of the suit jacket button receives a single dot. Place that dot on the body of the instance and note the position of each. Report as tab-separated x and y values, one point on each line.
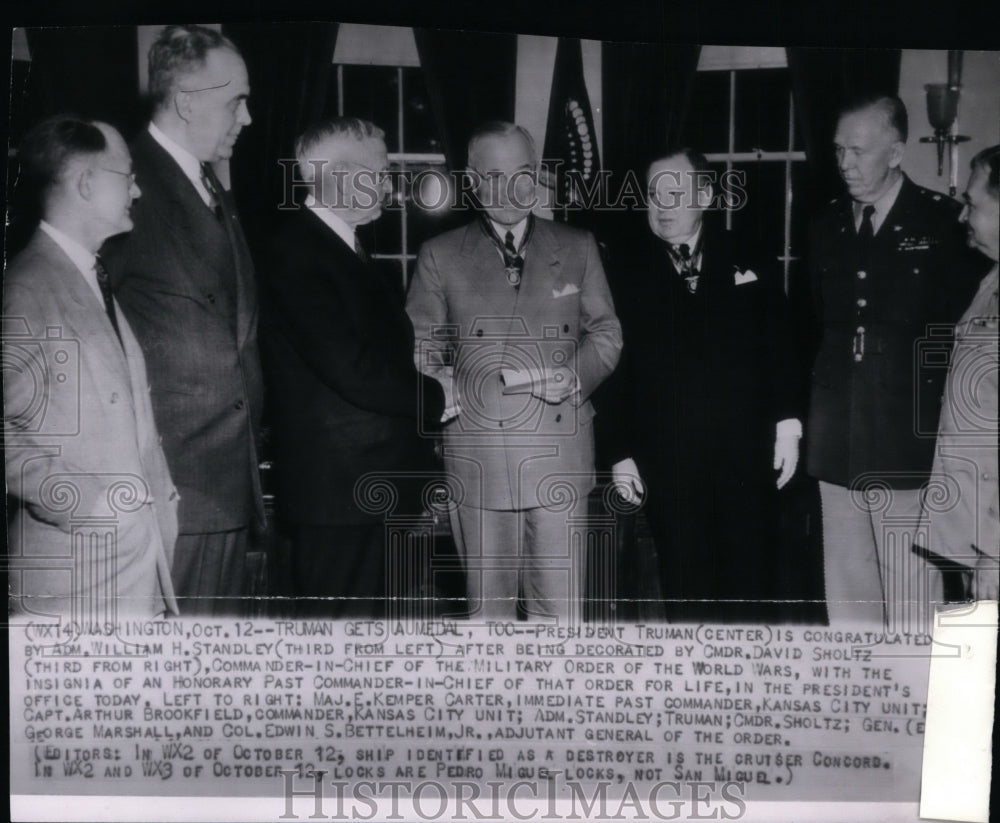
862	275
114	397
210	298
501	424
558	418
862	302
479	332
566	328
238	405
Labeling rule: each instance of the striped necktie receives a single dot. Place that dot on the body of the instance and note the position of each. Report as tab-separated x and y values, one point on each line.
104	283
213	187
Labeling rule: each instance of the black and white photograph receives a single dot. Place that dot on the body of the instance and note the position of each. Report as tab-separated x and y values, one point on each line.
585	412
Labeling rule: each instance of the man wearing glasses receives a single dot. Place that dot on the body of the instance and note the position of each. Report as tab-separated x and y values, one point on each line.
186	283
347	400
514	316
94	514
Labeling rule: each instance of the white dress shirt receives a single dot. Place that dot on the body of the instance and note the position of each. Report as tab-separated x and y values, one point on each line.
518	230
188	163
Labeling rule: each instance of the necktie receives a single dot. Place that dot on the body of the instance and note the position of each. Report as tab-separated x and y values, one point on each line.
508	243
513	262
867	230
213	187
686	267
104	283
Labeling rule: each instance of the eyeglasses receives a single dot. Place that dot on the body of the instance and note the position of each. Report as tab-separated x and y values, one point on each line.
129	174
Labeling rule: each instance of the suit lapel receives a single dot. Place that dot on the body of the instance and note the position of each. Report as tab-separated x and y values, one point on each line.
542	266
242	267
181	208
484	272
84	313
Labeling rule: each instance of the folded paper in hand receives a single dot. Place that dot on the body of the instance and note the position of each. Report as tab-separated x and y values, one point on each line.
527	381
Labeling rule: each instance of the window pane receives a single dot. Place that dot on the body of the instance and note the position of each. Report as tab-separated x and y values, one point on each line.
420	134
372	93
708	120
761	111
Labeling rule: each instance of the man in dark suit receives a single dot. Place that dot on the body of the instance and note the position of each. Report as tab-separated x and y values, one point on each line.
514	316
349	404
94	512
706	428
186	282
889	276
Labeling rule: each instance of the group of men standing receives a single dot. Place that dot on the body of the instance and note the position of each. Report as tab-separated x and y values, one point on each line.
176	276
492	356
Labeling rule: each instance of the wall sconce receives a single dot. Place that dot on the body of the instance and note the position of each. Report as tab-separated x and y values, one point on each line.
942	112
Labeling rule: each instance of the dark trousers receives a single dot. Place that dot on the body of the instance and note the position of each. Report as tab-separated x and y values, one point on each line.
209	574
717	550
339	571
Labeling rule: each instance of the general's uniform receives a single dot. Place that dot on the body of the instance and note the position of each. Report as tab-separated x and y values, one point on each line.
521	468
887	313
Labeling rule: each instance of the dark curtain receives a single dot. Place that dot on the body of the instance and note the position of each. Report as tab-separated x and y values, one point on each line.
92	72
291	68
647	92
470	78
823	80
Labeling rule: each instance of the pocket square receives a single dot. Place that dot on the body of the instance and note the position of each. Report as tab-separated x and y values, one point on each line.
742	277
566	290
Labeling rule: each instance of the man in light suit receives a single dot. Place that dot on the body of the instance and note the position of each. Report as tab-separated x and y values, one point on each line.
347	399
960	519
513	315
186	282
94	519
705	424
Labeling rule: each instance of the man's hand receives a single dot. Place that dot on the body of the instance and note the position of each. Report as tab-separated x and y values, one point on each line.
556	386
786	457
451	405
625	476
986	581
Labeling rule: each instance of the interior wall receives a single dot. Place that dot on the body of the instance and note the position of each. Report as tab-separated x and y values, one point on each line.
978	111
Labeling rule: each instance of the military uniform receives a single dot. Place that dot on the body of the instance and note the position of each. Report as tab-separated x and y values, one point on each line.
960	514
887	312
